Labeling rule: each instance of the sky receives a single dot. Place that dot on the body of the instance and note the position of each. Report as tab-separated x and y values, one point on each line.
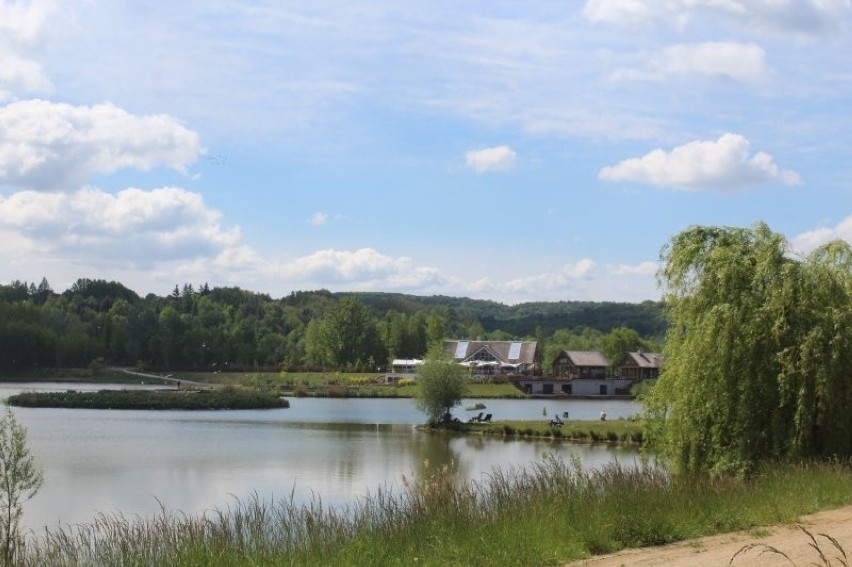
512	151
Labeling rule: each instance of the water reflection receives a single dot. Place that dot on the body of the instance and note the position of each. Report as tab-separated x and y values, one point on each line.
337	450
435	451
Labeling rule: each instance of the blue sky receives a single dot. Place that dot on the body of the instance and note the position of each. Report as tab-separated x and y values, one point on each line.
514	151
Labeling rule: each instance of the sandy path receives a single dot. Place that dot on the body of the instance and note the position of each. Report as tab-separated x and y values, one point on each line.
719	549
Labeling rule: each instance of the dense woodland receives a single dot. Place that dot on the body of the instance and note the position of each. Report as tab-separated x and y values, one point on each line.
97	322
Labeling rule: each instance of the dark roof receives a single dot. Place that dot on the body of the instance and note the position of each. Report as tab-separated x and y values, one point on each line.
584	357
642	359
523	352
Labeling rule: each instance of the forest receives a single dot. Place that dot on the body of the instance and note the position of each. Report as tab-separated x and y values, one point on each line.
98	322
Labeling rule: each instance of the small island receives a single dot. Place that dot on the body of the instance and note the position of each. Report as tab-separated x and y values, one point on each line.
218	399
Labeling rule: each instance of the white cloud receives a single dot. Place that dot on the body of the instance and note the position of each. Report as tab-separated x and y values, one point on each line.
798	16
549	282
134	228
365	268
640	269
809	240
57	147
20	75
743	62
724	164
23	21
319	218
21	25
343	265
620	12
499	158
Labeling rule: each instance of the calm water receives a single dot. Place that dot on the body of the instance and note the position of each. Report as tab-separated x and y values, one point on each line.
127	461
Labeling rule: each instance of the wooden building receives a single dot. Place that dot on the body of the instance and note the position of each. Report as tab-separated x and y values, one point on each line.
640	365
577	364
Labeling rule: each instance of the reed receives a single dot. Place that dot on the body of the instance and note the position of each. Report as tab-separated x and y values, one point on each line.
545	514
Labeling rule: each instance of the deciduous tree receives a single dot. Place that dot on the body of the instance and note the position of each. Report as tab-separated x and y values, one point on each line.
441	385
758	351
20	479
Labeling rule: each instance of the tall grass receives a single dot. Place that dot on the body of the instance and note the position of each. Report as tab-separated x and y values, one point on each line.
551	512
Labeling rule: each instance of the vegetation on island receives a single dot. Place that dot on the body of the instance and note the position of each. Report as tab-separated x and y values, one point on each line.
441	385
217	399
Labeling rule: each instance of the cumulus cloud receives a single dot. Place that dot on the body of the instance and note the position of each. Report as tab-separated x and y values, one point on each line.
365	268
640	269
723	164
18	74
620	12
798	16
548	282
742	62
133	228
811	239
48	146
21	25
344	265
22	22
499	158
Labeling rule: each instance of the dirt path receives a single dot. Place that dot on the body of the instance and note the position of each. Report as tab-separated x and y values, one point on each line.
719	549
168	378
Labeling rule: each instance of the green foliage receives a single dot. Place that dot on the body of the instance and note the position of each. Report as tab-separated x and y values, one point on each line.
758	351
349	334
227	328
441	385
522	320
20	479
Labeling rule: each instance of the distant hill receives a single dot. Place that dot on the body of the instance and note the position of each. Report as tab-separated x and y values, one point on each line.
646	318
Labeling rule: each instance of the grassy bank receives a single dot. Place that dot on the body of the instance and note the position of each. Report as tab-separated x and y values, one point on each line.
74	376
621	431
334	384
293	384
548	514
224	398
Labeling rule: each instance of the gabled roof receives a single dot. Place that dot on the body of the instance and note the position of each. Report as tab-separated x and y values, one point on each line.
507	352
584	357
642	359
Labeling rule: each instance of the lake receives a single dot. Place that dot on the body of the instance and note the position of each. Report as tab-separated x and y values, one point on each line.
129	462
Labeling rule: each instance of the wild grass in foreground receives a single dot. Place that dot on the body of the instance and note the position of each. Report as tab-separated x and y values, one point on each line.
825	547
547	514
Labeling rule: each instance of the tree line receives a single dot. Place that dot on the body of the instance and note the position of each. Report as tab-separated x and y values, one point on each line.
228	328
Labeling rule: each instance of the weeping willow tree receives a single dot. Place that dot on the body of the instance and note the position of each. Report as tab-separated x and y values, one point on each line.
758	355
